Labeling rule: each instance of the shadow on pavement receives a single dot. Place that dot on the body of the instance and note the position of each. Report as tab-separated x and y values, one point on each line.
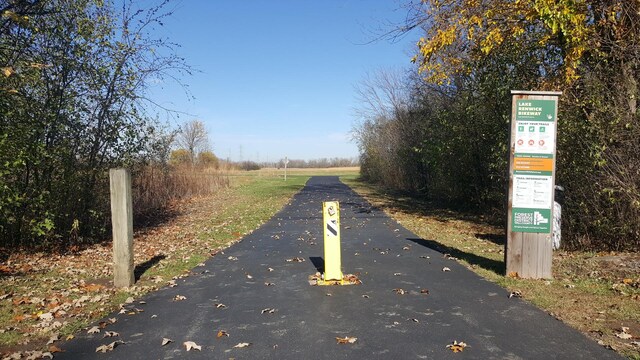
497	267
318	262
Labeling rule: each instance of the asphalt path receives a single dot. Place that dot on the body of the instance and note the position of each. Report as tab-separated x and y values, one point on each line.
253	294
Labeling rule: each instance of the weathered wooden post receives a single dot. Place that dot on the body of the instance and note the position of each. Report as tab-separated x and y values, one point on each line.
286	161
122	225
532	167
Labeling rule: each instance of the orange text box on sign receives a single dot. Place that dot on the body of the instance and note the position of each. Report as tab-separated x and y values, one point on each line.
533	164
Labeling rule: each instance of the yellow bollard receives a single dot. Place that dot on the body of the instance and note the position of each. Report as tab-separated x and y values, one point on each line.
331	217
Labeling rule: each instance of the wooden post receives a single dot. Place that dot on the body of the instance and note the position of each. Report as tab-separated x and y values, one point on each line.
286	161
122	225
532	167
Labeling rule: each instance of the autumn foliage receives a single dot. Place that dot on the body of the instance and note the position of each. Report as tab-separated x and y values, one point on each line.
442	130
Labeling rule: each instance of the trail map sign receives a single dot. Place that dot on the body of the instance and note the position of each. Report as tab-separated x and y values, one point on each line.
531	183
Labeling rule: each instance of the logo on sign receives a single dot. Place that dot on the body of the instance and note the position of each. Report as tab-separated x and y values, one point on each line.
539	219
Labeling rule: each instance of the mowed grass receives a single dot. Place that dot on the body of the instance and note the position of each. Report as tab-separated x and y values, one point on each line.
596	293
198	229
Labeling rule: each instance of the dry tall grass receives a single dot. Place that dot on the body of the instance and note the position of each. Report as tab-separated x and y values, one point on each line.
154	187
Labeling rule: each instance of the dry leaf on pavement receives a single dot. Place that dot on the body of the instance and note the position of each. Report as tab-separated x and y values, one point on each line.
346	340
109	347
191	345
457	346
165	341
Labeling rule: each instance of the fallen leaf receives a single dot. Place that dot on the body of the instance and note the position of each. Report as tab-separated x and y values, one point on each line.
109	347
424	291
46	316
222	333
111	334
446	269
242	345
191	345
232	258
624	334
295	259
53	338
55	349
270	269
365	296
165	341
457	346
93	287
93	330
516	294
415	320
513	274
179	298
399	291
346	340
269	284
220	305
268	311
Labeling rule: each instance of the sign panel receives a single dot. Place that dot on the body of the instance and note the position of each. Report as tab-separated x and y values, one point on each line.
532	168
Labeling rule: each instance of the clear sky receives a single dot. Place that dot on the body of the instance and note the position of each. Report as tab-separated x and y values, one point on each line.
277	77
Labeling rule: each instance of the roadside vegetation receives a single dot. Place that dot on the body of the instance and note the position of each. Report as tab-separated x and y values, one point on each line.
441	127
597	293
45	296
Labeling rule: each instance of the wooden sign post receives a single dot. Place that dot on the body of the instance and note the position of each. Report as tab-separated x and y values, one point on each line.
122	227
532	166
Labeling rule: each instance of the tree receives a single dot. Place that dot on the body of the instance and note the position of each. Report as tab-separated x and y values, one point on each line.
193	138
180	157
73	104
208	160
469	57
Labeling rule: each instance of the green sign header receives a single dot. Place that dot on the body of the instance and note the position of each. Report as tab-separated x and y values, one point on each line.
536	110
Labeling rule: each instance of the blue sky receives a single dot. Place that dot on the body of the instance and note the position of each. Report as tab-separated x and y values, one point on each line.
277	77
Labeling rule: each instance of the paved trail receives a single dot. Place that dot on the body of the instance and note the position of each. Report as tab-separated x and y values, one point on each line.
460	305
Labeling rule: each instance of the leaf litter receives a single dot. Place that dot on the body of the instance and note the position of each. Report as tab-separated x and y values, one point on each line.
47	292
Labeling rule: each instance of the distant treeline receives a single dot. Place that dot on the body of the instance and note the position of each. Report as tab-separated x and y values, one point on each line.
319	163
441	129
299	164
